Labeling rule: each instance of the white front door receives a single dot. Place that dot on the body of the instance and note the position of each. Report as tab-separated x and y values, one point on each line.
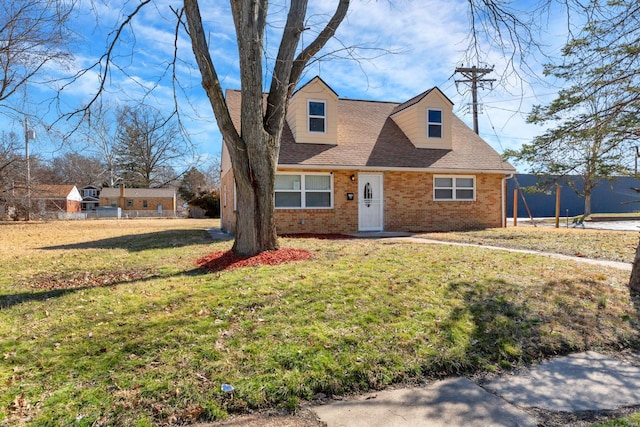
370	202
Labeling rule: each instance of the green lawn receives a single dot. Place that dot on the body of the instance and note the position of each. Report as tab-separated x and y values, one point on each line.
111	323
630	421
597	244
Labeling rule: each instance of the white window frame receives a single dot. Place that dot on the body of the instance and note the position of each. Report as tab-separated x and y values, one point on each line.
429	123
303	191
454	187
315	116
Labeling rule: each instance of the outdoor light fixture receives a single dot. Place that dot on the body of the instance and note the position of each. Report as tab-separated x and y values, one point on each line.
353	178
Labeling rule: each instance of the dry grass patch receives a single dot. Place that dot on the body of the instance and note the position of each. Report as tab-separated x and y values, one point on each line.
155	347
597	244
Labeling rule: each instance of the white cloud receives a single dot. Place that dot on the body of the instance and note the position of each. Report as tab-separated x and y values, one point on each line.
428	41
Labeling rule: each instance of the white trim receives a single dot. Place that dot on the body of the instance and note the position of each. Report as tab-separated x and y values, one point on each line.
396	169
441	124
302	190
454	179
310	116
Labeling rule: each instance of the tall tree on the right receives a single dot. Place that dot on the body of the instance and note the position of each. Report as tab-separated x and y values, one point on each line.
582	149
593	121
598	113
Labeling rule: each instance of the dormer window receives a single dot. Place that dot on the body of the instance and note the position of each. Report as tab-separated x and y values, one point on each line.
317	116
434	123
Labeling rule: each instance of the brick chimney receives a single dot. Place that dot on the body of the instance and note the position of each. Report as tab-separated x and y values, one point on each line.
121	202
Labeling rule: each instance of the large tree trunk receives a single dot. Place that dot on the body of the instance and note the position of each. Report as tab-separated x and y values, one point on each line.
255	222
587	202
254	150
634	280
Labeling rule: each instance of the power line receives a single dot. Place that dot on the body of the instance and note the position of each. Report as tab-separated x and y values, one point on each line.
520	98
495	132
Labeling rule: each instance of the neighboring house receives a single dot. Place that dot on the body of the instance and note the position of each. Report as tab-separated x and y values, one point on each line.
55	199
90	197
350	165
140	200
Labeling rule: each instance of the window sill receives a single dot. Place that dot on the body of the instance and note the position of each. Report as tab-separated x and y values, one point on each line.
304	209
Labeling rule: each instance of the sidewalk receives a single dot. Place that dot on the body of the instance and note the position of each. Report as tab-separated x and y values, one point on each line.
605	263
576	383
581	383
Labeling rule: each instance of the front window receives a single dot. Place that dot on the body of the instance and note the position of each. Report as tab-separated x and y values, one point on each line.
311	191
454	188
434	123
129	203
317	116
145	204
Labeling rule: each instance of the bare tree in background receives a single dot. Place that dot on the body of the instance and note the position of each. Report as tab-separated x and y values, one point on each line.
77	169
33	33
10	169
9	143
147	144
212	174
97	136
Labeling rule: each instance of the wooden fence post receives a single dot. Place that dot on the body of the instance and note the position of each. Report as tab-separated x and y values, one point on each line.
515	207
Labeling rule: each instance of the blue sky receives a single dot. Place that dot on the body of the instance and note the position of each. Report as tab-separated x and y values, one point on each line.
427	41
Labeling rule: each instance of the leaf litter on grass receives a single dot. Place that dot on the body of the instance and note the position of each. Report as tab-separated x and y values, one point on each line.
228	260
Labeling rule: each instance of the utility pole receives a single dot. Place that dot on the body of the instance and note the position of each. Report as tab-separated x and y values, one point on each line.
474	76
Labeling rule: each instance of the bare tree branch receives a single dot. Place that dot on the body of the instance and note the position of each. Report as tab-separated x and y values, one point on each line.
210	80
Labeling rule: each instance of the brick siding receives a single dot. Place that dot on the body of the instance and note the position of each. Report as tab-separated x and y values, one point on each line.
408	206
138	203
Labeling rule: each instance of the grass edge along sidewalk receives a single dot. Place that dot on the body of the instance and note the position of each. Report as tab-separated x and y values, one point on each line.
358	316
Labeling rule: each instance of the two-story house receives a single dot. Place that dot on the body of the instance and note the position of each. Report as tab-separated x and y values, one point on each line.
90	197
350	165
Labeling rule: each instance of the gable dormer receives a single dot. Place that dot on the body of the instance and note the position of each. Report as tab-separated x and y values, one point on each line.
312	115
426	119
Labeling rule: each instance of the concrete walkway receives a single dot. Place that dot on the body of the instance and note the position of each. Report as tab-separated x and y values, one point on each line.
392	237
614	264
579	382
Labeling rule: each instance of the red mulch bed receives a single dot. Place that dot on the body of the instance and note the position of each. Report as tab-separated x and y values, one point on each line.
227	260
326	236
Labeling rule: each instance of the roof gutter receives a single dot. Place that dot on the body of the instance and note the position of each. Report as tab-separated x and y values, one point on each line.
509	172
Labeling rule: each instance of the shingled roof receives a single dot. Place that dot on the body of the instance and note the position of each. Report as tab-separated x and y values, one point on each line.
51	191
369	139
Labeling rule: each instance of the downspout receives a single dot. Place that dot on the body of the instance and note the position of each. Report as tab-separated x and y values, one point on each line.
504	199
